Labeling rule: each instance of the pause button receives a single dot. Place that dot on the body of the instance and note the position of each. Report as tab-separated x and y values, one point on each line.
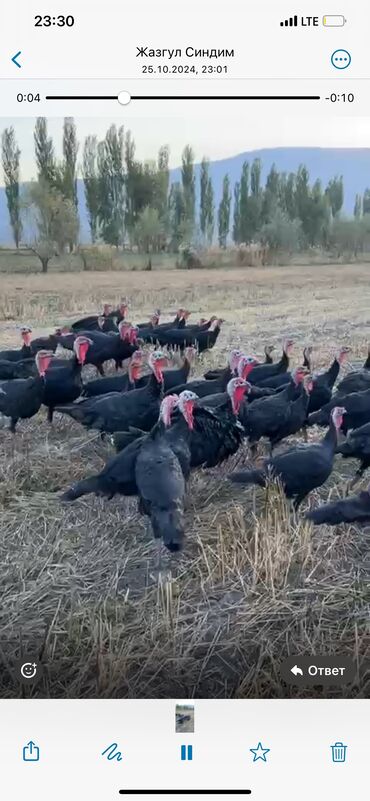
186	752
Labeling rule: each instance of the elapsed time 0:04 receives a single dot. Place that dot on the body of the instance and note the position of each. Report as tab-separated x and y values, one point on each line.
29	98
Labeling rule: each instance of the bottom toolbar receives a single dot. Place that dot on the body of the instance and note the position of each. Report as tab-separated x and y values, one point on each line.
104	749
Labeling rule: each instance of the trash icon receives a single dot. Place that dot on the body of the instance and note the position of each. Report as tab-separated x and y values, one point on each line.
338	752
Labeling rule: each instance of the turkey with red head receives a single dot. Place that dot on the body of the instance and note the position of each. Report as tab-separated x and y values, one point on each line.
21	398
201	387
104	347
277	416
120	410
265	371
63	384
117	383
13	355
215	432
357	405
323	383
301	469
149	468
91	323
357	380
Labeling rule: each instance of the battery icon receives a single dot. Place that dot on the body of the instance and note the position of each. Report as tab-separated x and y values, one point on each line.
334	20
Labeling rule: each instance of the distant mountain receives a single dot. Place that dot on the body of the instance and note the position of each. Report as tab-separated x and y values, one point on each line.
322	163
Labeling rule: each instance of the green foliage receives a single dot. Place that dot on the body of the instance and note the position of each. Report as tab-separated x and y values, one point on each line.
111	179
289	203
357	211
146	185
271	198
244	233
247	203
131	202
366	202
53	218
206	218
236	214
282	235
62	176
349	237
312	208
162	181
189	258
178	225
95	257
91	184
254	202
10	161
188	186
224	213
148	230
334	193
210	205
44	154
69	165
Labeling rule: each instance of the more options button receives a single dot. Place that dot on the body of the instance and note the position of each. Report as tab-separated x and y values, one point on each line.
328	671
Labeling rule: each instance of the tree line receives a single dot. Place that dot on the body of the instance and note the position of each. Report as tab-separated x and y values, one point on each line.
133	203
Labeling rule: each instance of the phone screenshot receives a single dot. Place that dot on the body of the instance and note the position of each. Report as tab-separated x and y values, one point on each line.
184	400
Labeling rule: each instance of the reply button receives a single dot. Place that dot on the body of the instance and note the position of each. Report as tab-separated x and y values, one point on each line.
323	670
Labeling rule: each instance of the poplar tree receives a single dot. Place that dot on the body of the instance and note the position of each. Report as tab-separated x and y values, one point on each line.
224	213
10	161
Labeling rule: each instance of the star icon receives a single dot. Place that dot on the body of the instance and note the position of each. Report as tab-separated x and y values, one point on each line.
259	752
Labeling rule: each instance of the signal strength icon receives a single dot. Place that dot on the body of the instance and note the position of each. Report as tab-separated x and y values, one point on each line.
291	22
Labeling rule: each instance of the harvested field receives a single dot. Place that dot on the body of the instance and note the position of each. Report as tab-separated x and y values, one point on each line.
82	585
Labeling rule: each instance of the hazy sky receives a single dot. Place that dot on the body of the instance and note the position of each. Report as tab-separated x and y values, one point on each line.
214	135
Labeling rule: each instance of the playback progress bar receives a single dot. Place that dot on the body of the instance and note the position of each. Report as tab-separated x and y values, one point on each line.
127	98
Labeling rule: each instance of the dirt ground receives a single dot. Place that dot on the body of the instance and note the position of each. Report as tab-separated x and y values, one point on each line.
81	584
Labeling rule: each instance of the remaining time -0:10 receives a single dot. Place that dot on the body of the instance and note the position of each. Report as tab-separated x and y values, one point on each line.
341	98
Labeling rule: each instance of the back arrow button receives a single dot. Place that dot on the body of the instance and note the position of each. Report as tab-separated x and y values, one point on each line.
14	59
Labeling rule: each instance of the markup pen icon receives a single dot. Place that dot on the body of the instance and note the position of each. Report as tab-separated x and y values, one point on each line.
112	752
31	752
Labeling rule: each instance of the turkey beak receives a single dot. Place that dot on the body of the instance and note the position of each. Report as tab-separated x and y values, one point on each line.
301	374
135	368
26	336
